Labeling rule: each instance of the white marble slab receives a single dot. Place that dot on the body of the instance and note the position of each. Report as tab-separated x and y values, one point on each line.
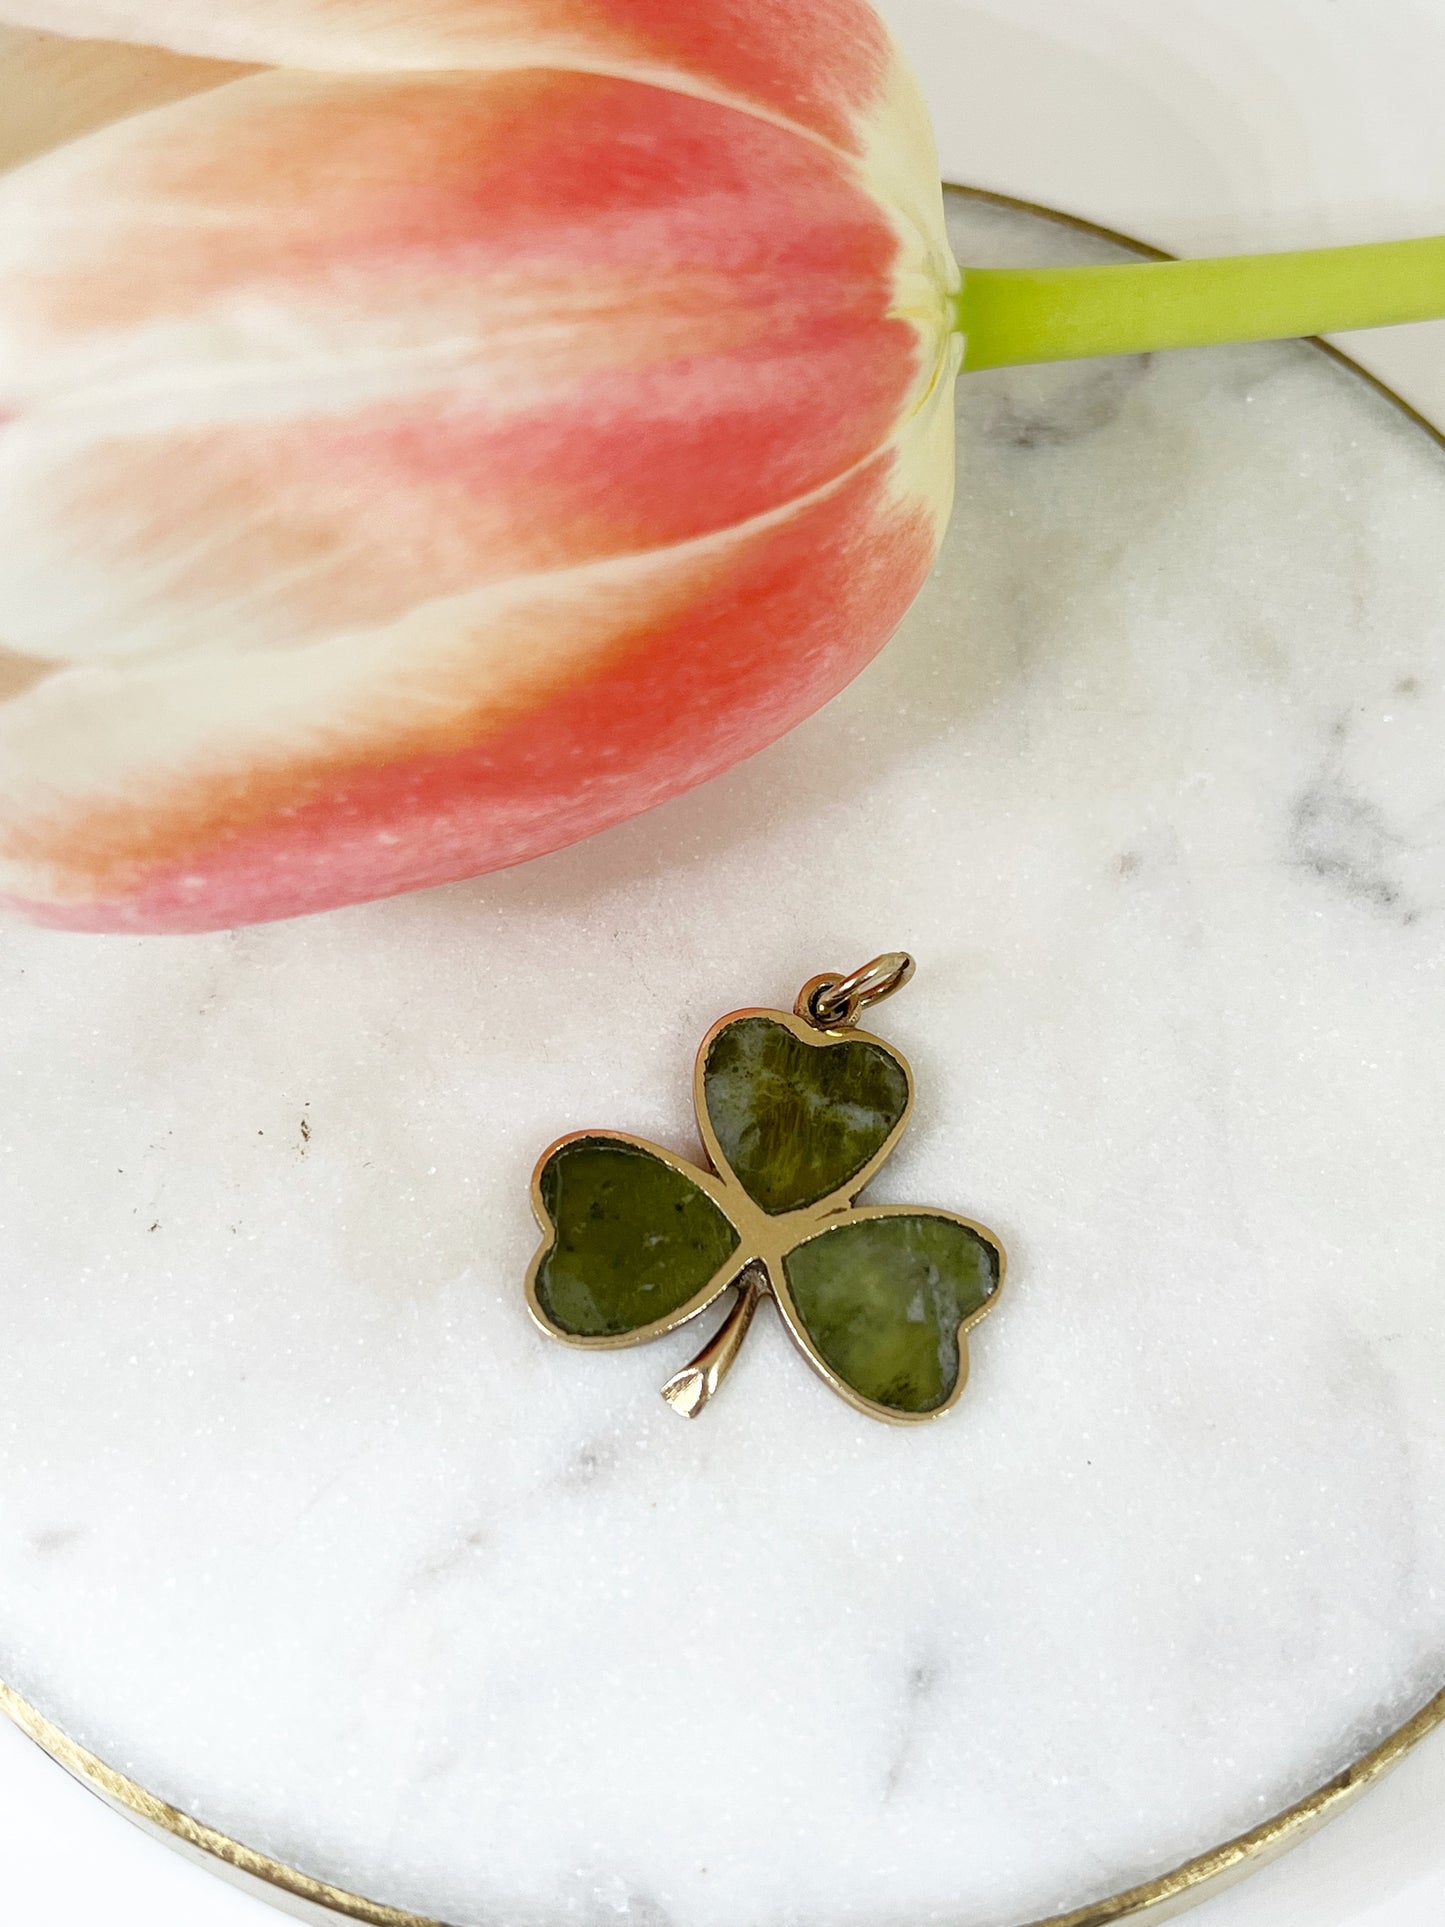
302	1524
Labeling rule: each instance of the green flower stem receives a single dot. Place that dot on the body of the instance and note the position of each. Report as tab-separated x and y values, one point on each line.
1014	315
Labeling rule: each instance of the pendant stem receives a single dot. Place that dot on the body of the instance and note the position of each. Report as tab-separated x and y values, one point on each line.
695	1384
1010	316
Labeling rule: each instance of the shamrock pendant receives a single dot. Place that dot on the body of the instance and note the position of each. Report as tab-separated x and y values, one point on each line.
797	1112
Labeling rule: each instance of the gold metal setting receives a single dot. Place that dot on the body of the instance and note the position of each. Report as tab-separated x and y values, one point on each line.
823	1017
837	1000
1147	1904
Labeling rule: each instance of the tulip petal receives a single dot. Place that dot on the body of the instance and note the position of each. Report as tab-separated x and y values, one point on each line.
822	66
830	69
407	474
188	793
305	351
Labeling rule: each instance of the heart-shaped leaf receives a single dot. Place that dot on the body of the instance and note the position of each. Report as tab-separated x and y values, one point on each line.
797	1120
635	1239
882	1297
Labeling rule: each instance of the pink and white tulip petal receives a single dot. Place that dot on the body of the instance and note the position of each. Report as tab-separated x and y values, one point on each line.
823	64
404	474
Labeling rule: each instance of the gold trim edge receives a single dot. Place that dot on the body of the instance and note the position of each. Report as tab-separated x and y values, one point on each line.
182	1830
1148	1904
1153	1901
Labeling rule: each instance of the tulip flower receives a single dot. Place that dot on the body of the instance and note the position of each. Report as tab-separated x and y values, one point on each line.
463	427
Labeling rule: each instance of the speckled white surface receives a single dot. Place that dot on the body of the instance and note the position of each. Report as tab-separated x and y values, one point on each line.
303	1525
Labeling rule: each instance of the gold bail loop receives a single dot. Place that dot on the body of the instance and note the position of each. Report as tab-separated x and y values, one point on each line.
835	1002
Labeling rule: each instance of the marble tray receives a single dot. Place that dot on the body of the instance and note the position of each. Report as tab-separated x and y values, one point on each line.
301	1524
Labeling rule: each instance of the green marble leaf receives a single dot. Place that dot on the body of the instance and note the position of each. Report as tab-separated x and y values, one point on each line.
797	1121
882	1298
635	1238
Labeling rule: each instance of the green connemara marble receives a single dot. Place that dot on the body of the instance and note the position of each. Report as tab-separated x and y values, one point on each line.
796	1121
882	1300
635	1240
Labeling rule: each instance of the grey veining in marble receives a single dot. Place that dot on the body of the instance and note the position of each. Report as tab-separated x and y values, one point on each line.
304	1525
